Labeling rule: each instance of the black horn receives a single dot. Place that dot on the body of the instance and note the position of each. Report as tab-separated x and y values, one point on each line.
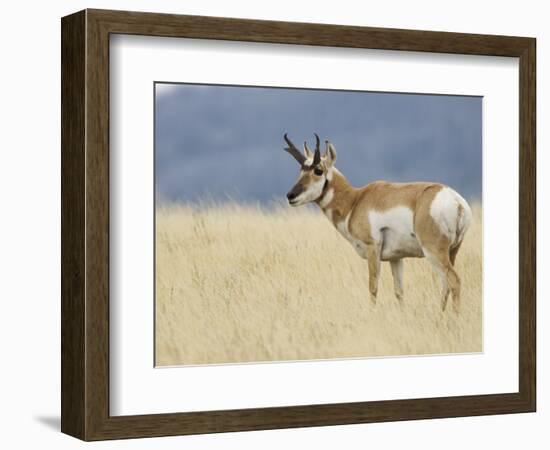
317	156
297	154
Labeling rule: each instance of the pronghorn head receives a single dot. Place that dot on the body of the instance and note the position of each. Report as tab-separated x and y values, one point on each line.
315	172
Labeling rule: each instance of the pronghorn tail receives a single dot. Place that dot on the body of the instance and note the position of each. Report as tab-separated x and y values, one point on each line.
463	218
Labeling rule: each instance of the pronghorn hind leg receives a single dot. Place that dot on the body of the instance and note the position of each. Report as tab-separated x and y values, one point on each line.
397	272
440	260
373	257
436	245
454	281
453	252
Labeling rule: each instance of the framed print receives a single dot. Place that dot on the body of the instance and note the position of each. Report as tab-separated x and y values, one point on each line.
267	224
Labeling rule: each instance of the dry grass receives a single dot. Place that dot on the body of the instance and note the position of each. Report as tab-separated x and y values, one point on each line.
240	284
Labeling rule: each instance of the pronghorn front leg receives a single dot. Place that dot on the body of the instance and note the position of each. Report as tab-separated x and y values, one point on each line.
373	257
397	272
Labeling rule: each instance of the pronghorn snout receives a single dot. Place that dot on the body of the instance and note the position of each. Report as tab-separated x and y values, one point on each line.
293	193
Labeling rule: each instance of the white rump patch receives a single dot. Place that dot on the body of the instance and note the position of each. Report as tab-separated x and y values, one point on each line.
445	210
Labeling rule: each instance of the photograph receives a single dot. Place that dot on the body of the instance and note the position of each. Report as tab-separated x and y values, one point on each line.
297	224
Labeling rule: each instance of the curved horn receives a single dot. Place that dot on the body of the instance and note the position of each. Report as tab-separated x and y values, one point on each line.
297	154
307	150
317	156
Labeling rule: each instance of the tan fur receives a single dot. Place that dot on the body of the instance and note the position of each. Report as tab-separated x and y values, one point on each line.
344	198
348	209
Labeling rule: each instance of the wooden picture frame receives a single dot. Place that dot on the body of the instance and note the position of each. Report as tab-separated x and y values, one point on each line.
85	224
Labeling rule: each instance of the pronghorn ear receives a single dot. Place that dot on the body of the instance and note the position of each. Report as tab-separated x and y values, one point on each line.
307	151
330	153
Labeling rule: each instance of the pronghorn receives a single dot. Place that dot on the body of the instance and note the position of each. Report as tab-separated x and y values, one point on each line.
386	221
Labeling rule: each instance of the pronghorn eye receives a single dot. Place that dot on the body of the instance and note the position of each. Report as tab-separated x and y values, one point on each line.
318	171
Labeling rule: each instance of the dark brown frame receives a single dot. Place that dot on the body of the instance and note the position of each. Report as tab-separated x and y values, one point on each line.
85	224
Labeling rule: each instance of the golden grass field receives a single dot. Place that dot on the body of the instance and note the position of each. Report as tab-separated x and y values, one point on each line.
241	283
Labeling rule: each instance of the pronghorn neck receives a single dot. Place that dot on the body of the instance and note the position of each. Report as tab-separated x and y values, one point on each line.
338	197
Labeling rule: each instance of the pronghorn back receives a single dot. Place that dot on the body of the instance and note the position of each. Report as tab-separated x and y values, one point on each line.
405	216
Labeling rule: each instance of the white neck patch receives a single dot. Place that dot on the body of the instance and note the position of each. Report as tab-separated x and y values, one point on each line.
327	198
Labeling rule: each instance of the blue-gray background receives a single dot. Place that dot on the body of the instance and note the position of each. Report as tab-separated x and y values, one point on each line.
226	142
